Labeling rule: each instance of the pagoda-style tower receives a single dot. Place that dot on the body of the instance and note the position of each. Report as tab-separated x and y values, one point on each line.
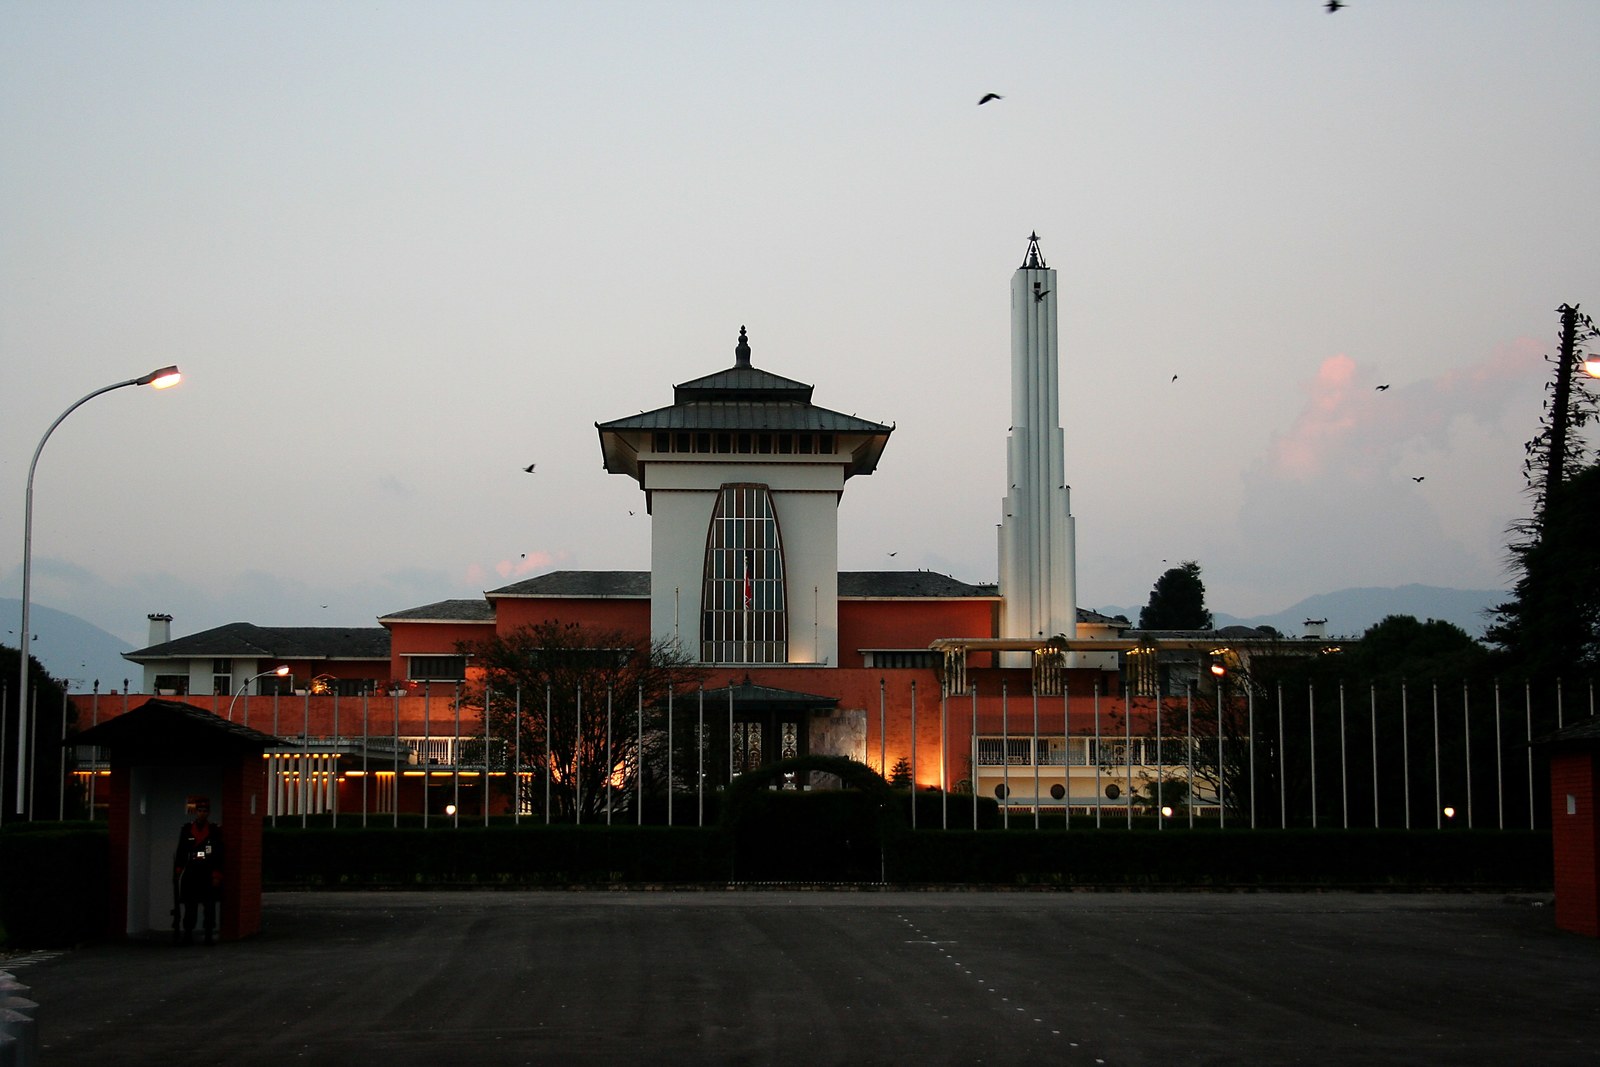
742	477
1038	574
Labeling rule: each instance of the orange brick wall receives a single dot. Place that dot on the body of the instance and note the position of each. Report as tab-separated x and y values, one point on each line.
631	616
907	624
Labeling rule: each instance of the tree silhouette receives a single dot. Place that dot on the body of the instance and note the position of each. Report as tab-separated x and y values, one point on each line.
1552	623
578	670
1177	602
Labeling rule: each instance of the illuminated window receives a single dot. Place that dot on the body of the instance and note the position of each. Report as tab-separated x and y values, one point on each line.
744	617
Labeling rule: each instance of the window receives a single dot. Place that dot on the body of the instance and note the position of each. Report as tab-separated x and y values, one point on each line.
998	751
902	659
172	684
744	616
437	668
222	677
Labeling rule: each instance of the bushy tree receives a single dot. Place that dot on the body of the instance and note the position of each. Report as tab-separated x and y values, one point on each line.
1178	601
574	671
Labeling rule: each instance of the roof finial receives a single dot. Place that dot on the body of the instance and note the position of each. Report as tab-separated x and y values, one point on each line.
1034	260
742	352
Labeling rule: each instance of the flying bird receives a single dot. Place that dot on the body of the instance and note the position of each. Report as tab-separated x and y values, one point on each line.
1419	477
1333	5
988	97
1174	378
529	467
894	553
1381	388
1041	294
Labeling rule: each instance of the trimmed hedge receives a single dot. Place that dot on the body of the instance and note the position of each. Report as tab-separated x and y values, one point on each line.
54	876
497	855
53	884
1264	859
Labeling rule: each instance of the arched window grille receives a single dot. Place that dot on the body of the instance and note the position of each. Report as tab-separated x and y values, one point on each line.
744	616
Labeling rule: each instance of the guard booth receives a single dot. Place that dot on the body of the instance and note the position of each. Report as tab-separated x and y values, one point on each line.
163	755
1574	755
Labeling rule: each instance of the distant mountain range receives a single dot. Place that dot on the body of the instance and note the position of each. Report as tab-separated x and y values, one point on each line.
72	650
1351	612
79	652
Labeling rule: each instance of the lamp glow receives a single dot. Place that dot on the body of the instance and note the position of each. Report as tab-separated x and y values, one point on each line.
278	671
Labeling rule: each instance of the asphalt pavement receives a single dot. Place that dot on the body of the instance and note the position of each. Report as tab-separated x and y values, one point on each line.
840	977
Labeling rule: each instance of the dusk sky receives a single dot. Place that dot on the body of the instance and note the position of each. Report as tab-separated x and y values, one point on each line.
403	250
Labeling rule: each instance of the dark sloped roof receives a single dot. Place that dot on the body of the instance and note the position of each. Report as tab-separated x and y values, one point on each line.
908	584
1088	615
166	727
445	611
742	398
746	693
742	380
247	640
1582	734
580	584
745	414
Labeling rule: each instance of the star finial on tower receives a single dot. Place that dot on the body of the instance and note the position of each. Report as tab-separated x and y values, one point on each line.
1034	260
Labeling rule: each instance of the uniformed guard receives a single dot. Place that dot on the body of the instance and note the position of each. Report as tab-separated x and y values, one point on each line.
198	872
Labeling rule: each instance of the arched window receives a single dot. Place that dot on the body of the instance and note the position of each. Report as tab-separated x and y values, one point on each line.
744	613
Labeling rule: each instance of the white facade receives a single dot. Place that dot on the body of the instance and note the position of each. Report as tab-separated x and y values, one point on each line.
805	495
1038	576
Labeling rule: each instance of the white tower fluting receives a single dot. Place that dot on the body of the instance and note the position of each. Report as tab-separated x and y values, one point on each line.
1038	573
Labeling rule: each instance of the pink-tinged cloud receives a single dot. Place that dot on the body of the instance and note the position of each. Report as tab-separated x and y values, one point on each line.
1328	418
523	566
1351	428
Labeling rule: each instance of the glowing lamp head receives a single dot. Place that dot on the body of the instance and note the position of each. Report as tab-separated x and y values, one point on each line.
1166	811
161	379
1449	812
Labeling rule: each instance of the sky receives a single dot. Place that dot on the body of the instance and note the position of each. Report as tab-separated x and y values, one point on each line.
402	250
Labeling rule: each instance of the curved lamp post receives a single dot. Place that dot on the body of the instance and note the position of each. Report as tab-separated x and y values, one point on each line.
279	671
160	379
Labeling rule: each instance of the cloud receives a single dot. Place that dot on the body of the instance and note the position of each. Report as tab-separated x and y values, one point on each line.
1333	501
1351	429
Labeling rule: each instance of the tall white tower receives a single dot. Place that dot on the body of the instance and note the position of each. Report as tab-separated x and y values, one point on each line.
1038	573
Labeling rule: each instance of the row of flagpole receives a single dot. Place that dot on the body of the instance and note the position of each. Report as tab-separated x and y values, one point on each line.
302	799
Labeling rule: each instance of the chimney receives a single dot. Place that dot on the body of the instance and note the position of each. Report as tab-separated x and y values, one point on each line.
1316	628
160	629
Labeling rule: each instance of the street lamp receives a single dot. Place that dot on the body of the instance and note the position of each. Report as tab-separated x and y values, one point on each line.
159	379
279	671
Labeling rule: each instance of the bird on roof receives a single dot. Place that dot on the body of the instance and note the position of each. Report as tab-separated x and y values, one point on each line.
988	97
529	467
1381	388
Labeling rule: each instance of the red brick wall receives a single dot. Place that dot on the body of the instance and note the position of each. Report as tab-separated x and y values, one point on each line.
1576	840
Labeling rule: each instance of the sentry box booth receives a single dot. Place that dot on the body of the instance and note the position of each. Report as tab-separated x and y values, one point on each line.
163	755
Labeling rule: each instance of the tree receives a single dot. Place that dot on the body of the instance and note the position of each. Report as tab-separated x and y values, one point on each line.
1177	602
577	672
1549	627
46	707
900	774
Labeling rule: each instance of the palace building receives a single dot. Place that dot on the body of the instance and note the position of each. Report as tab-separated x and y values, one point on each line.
1009	687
